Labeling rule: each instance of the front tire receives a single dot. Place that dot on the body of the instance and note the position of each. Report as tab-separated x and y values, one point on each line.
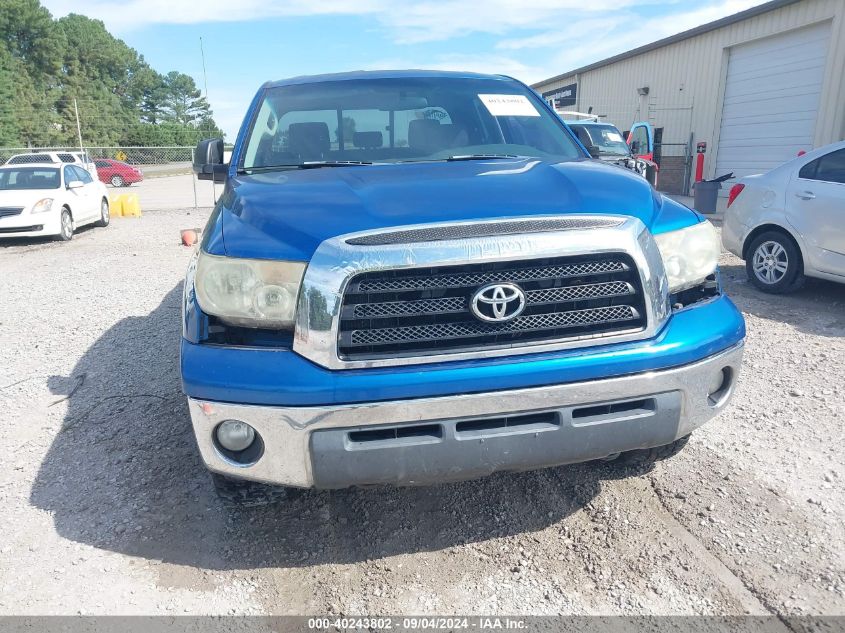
118	181
648	456
242	493
105	215
65	226
773	263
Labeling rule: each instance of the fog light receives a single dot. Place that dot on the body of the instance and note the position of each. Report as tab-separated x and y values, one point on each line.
235	435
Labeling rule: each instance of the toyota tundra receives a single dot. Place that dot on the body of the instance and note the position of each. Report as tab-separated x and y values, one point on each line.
413	277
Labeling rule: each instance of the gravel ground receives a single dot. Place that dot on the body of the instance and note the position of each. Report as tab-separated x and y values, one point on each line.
109	510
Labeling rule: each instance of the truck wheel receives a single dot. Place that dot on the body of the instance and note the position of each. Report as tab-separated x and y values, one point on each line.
647	456
241	493
773	263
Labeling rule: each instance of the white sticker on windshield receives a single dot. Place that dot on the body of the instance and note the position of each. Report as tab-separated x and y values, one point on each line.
615	136
509	105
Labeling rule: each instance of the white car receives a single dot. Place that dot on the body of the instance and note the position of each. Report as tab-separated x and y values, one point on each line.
80	158
50	200
790	222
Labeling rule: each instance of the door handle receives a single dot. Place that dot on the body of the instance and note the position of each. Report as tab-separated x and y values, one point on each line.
805	195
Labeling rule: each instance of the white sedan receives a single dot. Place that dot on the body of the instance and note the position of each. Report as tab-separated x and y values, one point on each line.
50	200
790	222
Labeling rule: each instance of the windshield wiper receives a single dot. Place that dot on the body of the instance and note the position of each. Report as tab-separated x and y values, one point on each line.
480	156
313	164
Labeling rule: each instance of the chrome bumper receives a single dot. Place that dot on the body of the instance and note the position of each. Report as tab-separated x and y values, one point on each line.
290	455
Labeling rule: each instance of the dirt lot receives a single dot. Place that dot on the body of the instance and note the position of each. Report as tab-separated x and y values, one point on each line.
107	508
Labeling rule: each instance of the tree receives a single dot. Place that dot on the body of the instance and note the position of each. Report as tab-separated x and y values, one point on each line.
183	102
46	64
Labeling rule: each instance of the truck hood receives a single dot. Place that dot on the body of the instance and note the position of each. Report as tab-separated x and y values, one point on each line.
287	214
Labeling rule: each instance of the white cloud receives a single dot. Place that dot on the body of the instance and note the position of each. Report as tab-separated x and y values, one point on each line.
476	63
406	21
561	34
610	36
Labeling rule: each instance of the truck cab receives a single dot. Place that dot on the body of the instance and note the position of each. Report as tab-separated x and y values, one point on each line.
420	276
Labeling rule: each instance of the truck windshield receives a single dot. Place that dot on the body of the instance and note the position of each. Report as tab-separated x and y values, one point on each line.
391	120
29	178
606	137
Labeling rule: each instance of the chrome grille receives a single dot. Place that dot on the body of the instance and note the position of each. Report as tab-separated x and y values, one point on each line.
467	279
404	312
483	229
595	316
399	308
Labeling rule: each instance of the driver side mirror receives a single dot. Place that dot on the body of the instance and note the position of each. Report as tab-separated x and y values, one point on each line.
208	160
75	184
595	152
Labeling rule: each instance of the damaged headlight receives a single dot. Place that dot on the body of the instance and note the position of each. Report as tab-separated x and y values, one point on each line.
253	293
689	254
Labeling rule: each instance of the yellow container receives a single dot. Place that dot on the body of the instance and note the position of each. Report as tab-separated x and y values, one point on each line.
115	206
131	206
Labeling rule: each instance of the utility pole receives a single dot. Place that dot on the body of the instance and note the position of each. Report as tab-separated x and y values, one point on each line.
204	76
78	128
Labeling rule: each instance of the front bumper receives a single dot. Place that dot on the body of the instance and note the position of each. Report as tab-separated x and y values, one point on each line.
434	439
28	225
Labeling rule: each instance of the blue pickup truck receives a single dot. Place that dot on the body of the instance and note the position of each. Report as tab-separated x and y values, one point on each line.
414	277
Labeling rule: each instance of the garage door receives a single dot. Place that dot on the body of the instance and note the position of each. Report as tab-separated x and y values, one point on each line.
771	100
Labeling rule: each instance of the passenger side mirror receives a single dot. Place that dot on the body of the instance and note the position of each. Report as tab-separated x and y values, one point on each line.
595	152
208	160
75	184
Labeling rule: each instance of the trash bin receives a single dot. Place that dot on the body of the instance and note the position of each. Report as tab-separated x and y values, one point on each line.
706	192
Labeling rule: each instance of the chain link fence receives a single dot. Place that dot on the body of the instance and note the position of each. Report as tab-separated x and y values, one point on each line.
170	160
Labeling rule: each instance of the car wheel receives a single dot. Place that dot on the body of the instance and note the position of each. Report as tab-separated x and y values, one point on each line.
65	226
105	216
773	263
117	181
242	493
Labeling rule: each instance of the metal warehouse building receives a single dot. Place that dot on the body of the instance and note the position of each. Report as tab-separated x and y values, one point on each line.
757	87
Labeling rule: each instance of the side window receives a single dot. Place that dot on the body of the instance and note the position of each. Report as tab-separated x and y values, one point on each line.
69	174
82	174
640	140
808	171
832	167
101	163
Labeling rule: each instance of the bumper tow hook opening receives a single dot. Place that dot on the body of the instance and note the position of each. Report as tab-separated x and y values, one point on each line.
720	387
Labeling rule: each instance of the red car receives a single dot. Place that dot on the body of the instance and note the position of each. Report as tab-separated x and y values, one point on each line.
117	173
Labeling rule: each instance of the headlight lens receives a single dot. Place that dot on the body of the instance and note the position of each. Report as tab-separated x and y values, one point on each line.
249	292
689	255
45	204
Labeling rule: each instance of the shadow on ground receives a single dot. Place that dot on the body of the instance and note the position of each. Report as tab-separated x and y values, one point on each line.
818	308
124	475
9	240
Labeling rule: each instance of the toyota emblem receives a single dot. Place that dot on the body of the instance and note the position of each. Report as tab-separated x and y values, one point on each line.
498	303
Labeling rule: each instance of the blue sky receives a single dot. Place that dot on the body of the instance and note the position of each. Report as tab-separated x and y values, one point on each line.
250	41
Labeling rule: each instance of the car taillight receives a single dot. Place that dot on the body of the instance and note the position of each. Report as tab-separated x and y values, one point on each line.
735	191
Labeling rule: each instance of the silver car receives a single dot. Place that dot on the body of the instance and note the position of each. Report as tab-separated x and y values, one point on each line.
789	223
